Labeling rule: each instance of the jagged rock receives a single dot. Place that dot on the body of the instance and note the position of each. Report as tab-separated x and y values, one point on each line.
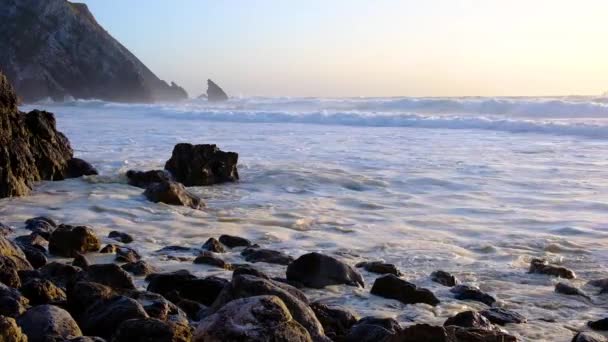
48	320
542	266
139	268
444	278
424	332
41	225
318	270
84	294
469	319
68	241
81	261
336	321
143	179
56	49
258	318
105	316
10	331
42	291
390	286
502	316
207	258
172	193
110	275
78	168
601	324
215	93
467	292
374	329
196	165
202	290
588	337
120	236
12	303
379	267
60	274
569	290
244	286
266	255
151	330
212	245
234	241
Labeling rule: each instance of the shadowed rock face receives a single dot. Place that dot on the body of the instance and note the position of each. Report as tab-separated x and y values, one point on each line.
55	48
197	165
215	93
31	148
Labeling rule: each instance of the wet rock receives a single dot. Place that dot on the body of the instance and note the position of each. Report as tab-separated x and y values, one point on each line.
81	261
77	168
502	316
257	318
8	272
126	254
569	290
12	303
196	165
461	334
172	193
10	250
215	93
60	274
109	249
144	179
139	268
41	225
243	286
207	258
444	278
10	331
191	308
110	275
588	337
424	332
68	241
42	291
34	256
105	316
151	330
318	270
601	324
336	321
266	255
247	269
373	329
469	319
157	306
212	245
202	290
234	241
48	320
5	230
379	267
176	249
541	266
84	294
33	240
120	236
389	286
467	292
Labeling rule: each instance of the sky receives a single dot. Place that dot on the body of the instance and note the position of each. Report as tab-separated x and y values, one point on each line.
351	48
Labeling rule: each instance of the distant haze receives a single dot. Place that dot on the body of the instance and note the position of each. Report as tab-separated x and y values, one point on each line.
338	48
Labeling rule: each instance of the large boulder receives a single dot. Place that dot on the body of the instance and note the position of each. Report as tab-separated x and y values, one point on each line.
375	329
10	331
69	241
187	286
197	165
390	286
336	321
48	320
105	316
318	270
110	275
173	193
542	266
258	318
215	93
42	291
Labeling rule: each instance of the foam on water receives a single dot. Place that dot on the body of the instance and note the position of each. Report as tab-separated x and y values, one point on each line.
366	179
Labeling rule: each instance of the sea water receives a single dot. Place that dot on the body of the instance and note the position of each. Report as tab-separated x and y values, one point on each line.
473	186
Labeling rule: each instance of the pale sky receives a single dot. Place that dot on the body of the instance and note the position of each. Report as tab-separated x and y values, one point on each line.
340	48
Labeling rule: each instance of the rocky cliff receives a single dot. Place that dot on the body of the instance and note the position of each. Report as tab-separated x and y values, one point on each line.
56	49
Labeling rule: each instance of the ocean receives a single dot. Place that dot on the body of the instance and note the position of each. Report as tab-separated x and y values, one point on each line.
473	186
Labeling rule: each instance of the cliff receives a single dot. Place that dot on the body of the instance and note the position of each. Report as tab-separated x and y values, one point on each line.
56	49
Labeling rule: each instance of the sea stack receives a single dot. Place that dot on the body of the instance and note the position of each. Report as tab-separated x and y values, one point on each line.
215	93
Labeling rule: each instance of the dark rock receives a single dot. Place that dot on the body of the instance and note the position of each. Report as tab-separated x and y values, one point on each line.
444	278
257	318
601	283
110	275
502	316
5	230
109	249
142	179
379	267
424	332
336	321
467	292
187	286
234	241
29	274
34	256
12	303
151	330
247	269
78	168
266	255
34	240
541	266
8	272
389	286
157	306
86	339
139	268
190	307
461	334
42	291
374	329
81	261
215	93
48	320
41	225
105	316
318	270
172	193
569	290
120	236
601	324
10	331
68	241
588	337
60	274
126	254
469	319
10	250
176	249
84	294
244	286
293	283
196	165
212	245
207	258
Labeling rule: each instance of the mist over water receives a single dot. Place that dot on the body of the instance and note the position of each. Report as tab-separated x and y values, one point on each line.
474	186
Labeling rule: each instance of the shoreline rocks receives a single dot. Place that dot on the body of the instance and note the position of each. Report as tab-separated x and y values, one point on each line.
392	287
199	165
215	93
318	271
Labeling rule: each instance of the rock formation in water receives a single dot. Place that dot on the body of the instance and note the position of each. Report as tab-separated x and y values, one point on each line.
31	148
215	93
56	49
